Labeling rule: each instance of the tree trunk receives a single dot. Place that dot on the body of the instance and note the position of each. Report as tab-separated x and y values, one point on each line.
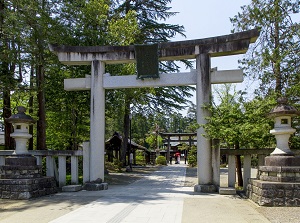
277	60
41	124
30	104
238	166
126	131
9	142
5	82
74	129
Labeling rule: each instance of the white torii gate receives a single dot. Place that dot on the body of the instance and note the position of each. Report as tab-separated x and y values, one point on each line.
202	77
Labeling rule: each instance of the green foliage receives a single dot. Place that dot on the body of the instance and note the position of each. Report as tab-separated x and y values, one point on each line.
140	158
183	146
192	156
256	127
118	164
275	57
154	141
115	166
69	178
161	160
35	76
237	121
123	30
150	15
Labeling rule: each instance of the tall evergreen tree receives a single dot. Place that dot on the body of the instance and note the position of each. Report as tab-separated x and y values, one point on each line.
11	58
275	57
150	16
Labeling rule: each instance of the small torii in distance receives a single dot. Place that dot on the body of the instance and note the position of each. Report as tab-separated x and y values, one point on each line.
200	49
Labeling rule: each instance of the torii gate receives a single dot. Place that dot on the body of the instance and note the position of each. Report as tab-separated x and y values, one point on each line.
200	49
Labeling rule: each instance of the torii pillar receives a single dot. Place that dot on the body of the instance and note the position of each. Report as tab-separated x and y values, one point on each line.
203	94
201	50
97	122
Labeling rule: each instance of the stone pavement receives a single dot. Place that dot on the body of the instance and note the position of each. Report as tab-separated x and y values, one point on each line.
159	198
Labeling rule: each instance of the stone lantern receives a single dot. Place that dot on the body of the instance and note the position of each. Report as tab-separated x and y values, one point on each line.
21	177
21	122
282	131
278	181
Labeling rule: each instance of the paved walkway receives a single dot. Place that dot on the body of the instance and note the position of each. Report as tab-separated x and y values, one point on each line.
161	198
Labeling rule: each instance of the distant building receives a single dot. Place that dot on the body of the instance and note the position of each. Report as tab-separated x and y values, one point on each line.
114	144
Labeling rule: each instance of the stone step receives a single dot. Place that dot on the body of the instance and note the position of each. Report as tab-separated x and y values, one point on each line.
227	191
71	188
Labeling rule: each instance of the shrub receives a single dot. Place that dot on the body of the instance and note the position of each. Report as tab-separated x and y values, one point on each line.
68	179
161	160
192	156
115	166
139	158
118	164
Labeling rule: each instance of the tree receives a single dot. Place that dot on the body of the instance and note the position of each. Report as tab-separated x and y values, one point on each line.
68	113
149	17
10	32
154	140
239	124
30	25
275	57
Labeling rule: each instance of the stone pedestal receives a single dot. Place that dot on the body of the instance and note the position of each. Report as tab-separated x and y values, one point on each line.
23	189
276	185
20	160
274	194
282	161
20	181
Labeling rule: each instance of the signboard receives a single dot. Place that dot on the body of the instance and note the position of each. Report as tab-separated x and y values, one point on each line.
146	61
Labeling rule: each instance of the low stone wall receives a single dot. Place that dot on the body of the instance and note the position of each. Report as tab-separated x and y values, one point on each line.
274	194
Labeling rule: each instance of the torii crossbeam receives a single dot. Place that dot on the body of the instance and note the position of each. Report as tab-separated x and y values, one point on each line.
200	49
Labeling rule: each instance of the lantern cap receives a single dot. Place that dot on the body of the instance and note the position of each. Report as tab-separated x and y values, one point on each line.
283	109
20	117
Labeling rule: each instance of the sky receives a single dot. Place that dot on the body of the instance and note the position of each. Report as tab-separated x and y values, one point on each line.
203	19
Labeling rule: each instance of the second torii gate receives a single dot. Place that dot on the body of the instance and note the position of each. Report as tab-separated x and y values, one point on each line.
201	50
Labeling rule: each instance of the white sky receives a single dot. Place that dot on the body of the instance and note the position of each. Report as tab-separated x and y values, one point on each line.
202	19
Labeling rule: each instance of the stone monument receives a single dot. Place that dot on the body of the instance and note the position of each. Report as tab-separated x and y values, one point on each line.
20	177
278	182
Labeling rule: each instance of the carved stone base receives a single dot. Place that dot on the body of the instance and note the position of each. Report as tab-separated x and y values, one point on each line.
22	189
20	172
20	160
276	185
279	173
282	161
274	194
22	179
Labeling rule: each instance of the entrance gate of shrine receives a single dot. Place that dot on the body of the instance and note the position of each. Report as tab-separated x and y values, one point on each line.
200	49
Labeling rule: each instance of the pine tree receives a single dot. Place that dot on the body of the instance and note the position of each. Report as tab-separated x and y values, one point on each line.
151	29
275	57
